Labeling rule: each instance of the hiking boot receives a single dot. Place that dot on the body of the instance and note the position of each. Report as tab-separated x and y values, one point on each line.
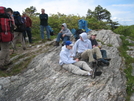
56	43
49	40
24	48
108	59
104	61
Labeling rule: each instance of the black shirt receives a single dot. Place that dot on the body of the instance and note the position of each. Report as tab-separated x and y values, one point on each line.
93	42
43	19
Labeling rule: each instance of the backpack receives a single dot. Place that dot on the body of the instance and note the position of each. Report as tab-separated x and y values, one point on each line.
83	25
77	33
19	22
51	31
6	25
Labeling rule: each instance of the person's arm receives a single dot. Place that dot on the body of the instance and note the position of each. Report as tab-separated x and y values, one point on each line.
75	46
43	16
30	21
65	59
68	33
89	45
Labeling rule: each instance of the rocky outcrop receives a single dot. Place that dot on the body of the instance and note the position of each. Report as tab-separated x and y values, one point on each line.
45	80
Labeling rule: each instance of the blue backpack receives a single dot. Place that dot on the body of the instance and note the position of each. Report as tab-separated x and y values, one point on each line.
83	25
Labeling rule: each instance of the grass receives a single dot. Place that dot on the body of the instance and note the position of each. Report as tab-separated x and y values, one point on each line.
128	62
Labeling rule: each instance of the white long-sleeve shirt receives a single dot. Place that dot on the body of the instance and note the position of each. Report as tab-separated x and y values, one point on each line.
81	45
66	56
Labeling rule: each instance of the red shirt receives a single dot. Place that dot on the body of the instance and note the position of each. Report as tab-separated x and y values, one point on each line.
28	21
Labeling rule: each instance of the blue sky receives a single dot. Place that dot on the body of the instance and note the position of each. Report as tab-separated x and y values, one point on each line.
121	10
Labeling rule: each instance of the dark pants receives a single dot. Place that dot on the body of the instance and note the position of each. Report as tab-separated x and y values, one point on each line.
27	32
65	38
103	53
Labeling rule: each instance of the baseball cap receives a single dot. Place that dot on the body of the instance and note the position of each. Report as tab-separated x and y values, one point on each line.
94	34
69	43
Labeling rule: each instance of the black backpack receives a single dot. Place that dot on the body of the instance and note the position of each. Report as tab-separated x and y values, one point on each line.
77	33
19	22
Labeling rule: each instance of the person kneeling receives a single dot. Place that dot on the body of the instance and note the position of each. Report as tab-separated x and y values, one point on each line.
73	65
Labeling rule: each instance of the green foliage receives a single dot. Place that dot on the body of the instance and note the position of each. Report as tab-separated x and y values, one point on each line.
94	24
126	31
30	11
99	13
55	21
128	61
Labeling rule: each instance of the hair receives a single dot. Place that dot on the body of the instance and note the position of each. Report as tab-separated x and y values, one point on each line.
9	10
43	9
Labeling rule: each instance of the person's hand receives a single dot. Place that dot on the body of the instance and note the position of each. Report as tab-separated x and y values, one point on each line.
76	59
94	46
63	35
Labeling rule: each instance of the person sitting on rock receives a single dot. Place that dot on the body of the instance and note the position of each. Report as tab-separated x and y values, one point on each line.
83	48
71	64
64	34
95	44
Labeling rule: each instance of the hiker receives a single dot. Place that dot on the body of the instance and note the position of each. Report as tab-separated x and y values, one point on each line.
28	25
6	31
71	64
44	24
95	44
20	28
83	48
64	34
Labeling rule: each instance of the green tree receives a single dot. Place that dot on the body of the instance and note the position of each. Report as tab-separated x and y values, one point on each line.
31	11
101	14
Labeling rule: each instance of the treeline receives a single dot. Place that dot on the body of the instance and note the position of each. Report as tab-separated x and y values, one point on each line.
98	19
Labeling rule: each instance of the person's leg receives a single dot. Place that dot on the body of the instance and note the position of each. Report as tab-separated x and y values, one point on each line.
16	37
58	37
87	55
22	41
104	54
83	65
65	38
4	54
48	32
96	51
24	34
29	34
42	32
74	69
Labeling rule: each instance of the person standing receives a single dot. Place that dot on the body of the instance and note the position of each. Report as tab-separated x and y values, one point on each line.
28	25
44	24
18	31
73	65
4	53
